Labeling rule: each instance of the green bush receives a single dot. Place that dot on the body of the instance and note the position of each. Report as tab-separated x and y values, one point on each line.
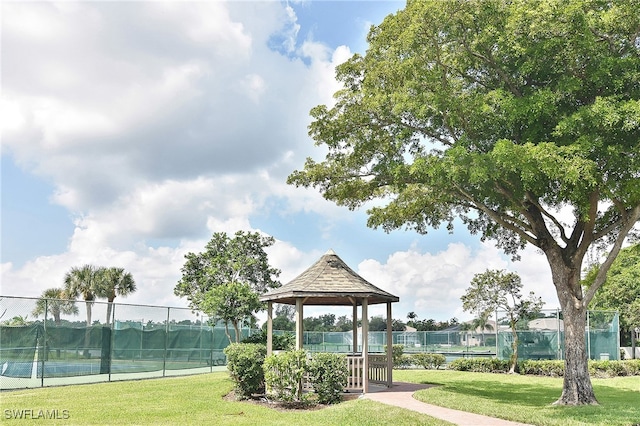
632	367
329	374
551	368
429	361
244	361
283	375
281	342
404	361
629	367
397	355
480	365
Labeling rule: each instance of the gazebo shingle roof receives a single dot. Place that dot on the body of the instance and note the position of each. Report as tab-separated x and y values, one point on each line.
329	281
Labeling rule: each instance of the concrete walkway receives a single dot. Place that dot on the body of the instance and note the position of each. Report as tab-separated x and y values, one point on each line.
401	395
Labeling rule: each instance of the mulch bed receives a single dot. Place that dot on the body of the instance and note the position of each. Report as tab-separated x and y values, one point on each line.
283	406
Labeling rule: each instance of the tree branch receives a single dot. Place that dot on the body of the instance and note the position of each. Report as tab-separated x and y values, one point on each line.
509	222
632	216
533	200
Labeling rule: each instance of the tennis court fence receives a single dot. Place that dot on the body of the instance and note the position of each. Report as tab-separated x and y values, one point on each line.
47	342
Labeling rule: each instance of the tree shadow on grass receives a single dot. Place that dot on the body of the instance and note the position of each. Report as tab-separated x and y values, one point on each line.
617	406
500	392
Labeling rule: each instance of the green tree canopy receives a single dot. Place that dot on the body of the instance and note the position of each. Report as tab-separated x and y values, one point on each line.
233	303
522	119
226	279
85	282
241	259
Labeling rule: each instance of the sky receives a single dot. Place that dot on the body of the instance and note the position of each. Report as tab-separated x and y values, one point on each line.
133	131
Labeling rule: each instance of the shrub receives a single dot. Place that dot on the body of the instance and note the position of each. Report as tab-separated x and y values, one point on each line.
283	342
480	365
329	374
551	368
429	361
244	361
405	361
397	355
631	367
283	375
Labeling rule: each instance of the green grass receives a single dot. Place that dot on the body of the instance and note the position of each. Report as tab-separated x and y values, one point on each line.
527	399
196	400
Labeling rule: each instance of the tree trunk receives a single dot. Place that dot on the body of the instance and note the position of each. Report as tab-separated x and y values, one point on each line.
577	388
633	343
514	349
226	331
87	332
109	310
237	329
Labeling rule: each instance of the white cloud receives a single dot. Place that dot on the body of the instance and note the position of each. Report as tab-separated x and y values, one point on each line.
431	284
160	123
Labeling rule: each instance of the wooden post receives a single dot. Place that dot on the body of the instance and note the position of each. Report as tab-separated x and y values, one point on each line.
365	345
389	347
299	324
355	326
269	327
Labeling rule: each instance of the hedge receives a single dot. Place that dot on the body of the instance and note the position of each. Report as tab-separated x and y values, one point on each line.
551	368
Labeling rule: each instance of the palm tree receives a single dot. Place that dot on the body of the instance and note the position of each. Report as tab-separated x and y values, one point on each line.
482	323
115	282
85	282
52	301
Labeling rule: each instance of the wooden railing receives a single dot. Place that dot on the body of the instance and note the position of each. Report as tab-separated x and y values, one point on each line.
378	369
355	364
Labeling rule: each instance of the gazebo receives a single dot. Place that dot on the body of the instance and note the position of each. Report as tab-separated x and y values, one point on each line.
330	282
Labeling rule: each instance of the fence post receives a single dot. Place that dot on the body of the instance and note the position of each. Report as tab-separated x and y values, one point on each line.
112	343
559	351
45	338
166	342
497	335
588	337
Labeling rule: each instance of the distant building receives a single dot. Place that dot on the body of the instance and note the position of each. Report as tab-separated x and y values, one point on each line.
546	324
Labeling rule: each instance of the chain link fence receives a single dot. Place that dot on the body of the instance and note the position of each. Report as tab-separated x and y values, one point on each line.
48	342
539	338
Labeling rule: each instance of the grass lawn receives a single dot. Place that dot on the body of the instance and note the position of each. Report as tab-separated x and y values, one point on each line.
196	400
527	399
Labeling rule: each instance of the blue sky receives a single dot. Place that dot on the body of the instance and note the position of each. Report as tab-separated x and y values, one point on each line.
132	131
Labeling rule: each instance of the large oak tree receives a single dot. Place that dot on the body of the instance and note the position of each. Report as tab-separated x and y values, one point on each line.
520	118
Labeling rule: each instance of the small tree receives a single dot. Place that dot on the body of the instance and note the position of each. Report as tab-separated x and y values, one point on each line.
493	290
227	278
232	303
